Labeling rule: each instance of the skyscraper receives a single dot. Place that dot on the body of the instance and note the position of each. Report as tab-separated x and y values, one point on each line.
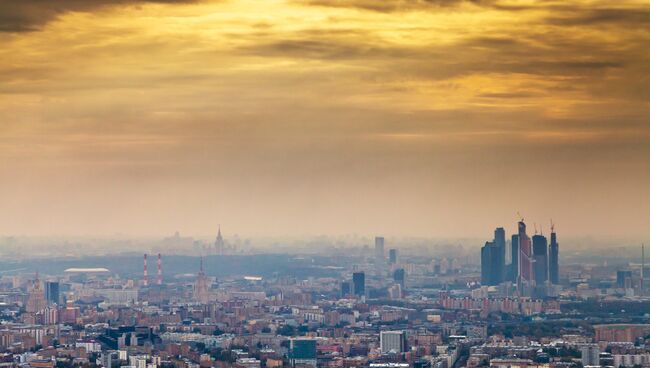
219	244
500	260
525	254
392	256
379	249
540	256
624	279
36	301
554	259
345	289
202	287
514	262
491	270
359	283
52	292
399	276
493	259
487	256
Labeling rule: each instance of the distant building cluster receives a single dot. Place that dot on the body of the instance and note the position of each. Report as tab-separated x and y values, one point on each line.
534	264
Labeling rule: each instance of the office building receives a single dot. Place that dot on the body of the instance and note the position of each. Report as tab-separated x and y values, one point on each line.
525	273
540	257
514	258
488	253
590	355
392	256
624	279
379	249
493	259
392	341
36	301
500	260
359	283
52	292
554	260
302	351
399	276
345	289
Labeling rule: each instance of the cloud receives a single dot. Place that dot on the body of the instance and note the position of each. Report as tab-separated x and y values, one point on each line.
31	15
628	17
393	5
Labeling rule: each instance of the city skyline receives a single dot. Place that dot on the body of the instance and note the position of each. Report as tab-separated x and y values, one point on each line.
324	183
409	118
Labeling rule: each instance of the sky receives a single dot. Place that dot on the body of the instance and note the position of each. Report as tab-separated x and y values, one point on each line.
441	118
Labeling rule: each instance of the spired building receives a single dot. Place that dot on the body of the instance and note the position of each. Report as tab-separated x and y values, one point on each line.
36	299
219	244
201	287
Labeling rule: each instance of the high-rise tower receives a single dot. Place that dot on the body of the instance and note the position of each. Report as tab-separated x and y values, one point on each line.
359	284
219	244
500	261
493	259
488	255
392	256
201	287
379	249
514	262
554	258
525	254
36	298
540	255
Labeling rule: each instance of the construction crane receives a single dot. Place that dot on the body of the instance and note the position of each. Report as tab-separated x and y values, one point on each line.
552	226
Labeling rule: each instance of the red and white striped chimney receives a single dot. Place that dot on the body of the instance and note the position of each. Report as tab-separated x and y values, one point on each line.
145	281
159	281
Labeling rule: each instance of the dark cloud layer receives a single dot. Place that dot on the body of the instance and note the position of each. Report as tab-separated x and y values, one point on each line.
30	15
393	5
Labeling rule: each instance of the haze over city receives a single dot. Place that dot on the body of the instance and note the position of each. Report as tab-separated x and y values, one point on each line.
299	118
324	183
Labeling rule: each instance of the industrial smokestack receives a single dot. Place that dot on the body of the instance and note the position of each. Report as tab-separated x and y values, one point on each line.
145	280
159	280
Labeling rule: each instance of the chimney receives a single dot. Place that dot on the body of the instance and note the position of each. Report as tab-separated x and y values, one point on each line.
145	280
159	281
